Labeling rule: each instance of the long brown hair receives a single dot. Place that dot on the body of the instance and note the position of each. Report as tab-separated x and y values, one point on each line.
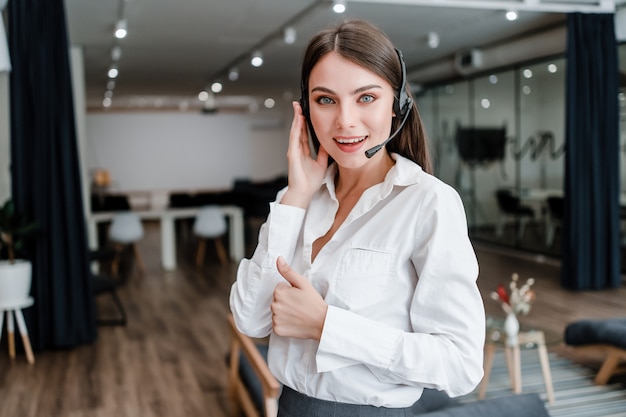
364	44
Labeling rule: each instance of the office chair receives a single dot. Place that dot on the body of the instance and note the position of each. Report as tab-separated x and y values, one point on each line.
210	223
555	217
510	206
105	284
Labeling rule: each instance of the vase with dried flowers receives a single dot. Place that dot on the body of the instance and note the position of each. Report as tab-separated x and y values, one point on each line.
517	300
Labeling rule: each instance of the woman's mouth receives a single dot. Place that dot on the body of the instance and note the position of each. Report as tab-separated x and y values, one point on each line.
350	144
350	141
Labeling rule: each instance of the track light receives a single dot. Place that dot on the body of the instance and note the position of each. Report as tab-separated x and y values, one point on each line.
116	53
233	74
339	6
216	87
257	59
121	29
203	95
113	71
289	35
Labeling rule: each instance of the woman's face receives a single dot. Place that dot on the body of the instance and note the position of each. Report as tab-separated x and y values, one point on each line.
351	109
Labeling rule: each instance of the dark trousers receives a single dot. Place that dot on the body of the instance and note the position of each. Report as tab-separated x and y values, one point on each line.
293	404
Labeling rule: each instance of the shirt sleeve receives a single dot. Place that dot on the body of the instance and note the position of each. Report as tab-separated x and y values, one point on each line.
252	292
444	350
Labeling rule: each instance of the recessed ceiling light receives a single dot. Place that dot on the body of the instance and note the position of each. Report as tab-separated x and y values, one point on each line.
339	6
511	15
433	40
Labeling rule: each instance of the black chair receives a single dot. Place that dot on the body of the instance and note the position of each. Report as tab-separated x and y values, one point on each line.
511	207
555	217
103	284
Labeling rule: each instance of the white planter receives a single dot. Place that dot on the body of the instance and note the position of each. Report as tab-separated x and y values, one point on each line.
15	280
511	327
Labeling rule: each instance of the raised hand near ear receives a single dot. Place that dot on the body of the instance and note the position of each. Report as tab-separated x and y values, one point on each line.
305	173
298	310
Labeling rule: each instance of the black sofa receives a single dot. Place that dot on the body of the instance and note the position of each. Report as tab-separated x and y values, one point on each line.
437	404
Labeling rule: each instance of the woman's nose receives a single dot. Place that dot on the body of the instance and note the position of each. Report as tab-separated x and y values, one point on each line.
346	115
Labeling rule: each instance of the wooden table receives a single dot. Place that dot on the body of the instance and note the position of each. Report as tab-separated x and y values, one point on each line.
534	339
167	216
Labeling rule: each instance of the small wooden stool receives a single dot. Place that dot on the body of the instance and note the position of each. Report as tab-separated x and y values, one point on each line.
514	364
16	308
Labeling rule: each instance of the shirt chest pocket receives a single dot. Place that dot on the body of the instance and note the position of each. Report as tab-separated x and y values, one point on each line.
362	278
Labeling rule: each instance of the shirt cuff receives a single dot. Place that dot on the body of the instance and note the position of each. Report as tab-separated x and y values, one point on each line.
285	224
346	340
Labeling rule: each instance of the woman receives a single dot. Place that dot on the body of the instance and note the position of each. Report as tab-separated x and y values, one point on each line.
364	276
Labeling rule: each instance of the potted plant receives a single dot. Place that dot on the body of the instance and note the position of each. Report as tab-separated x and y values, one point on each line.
15	273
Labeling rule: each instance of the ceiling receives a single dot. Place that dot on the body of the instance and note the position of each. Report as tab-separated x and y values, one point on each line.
175	49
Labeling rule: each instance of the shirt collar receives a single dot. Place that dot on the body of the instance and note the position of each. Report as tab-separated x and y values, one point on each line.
404	173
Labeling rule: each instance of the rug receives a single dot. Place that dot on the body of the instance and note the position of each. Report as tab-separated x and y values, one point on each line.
575	393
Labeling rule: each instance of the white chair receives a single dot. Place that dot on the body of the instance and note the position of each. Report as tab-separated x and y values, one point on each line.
210	223
126	229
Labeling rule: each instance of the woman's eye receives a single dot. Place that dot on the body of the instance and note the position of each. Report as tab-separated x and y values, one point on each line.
367	98
325	100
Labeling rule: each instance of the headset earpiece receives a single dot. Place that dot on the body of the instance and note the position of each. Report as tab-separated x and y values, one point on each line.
304	100
402	103
304	104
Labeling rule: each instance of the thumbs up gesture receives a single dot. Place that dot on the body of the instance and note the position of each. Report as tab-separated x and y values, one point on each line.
298	310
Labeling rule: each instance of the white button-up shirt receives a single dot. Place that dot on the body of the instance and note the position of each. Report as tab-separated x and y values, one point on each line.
399	277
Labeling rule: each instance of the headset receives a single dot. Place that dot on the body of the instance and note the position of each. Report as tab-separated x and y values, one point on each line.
402	105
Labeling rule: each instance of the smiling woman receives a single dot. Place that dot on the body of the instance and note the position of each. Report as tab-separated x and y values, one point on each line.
364	277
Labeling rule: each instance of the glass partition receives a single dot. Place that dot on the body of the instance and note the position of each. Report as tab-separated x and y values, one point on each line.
493	107
540	151
498	140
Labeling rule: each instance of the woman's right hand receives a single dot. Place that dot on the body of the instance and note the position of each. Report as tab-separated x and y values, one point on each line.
305	173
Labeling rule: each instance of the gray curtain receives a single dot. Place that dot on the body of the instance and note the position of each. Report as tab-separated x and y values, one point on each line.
46	180
590	250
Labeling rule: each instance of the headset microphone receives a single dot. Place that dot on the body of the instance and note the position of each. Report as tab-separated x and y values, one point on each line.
401	106
372	151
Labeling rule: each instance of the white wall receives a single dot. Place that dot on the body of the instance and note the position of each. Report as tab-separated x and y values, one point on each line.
187	151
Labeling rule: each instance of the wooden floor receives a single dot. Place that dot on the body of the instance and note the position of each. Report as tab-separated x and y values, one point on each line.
169	359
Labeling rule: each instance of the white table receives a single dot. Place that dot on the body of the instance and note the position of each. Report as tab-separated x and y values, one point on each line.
168	238
540	195
535	339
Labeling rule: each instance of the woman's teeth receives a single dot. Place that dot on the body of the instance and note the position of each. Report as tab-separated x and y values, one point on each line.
348	141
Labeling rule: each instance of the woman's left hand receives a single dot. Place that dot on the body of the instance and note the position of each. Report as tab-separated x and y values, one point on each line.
298	310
